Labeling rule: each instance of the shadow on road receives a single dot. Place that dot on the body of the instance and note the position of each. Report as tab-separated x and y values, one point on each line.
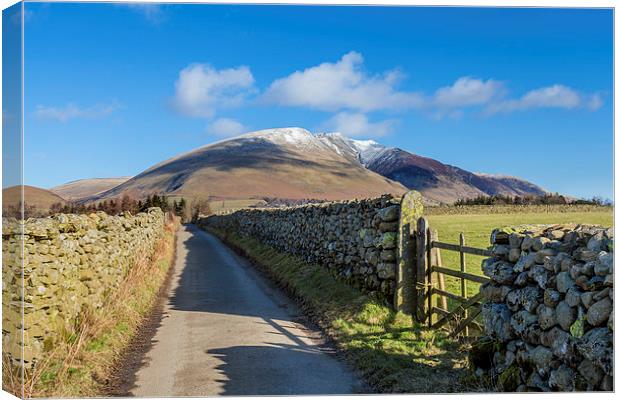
265	370
396	357
216	281
123	378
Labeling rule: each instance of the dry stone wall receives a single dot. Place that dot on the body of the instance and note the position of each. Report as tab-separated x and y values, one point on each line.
70	263
548	315
357	240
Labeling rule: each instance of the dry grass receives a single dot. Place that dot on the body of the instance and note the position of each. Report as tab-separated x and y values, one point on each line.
11	378
81	362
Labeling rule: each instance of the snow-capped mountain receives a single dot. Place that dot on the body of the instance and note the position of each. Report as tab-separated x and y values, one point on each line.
284	163
365	151
292	163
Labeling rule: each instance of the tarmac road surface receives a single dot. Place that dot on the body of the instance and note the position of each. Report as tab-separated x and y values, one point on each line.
225	330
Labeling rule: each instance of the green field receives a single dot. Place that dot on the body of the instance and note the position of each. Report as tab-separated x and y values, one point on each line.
220	206
478	227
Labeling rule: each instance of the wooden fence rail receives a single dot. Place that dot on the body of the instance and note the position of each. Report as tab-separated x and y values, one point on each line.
460	274
462	249
431	296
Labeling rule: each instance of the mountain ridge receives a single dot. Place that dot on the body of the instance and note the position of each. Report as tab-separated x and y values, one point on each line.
438	182
80	188
292	163
288	163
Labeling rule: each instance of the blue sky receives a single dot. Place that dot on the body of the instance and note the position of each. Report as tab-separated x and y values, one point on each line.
111	90
11	94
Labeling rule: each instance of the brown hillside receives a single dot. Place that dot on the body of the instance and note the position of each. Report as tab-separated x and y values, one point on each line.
77	190
288	163
41	199
438	182
445	183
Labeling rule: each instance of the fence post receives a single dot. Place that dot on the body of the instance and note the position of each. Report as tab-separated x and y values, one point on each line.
436	260
463	281
421	269
411	209
429	275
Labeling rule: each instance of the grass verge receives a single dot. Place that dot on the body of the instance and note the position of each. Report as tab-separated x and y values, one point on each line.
393	354
79	365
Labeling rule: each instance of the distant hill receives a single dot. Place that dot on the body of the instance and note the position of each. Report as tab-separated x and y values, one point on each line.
40	199
287	163
82	188
438	182
519	186
294	164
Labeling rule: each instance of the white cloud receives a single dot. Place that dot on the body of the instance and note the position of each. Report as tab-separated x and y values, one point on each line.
555	96
73	111
345	87
552	96
341	85
466	92
357	124
226	127
202	89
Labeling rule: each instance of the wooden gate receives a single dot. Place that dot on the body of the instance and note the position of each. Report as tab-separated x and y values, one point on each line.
431	296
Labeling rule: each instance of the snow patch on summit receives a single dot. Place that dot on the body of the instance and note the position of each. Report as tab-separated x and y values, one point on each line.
283	135
292	137
369	150
333	146
365	151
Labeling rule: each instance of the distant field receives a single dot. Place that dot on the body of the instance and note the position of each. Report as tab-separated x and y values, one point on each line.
230	205
515	209
477	228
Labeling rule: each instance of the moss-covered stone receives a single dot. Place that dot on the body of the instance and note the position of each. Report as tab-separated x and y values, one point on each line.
577	328
411	209
345	236
509	379
564	284
71	263
388	240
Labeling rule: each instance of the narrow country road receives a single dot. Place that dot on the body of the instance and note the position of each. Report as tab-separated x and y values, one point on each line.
226	331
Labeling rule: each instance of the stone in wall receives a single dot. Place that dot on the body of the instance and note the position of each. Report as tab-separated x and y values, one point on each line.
356	240
69	263
548	314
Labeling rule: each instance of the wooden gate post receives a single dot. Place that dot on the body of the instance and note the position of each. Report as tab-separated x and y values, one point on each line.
411	209
436	261
421	273
463	281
